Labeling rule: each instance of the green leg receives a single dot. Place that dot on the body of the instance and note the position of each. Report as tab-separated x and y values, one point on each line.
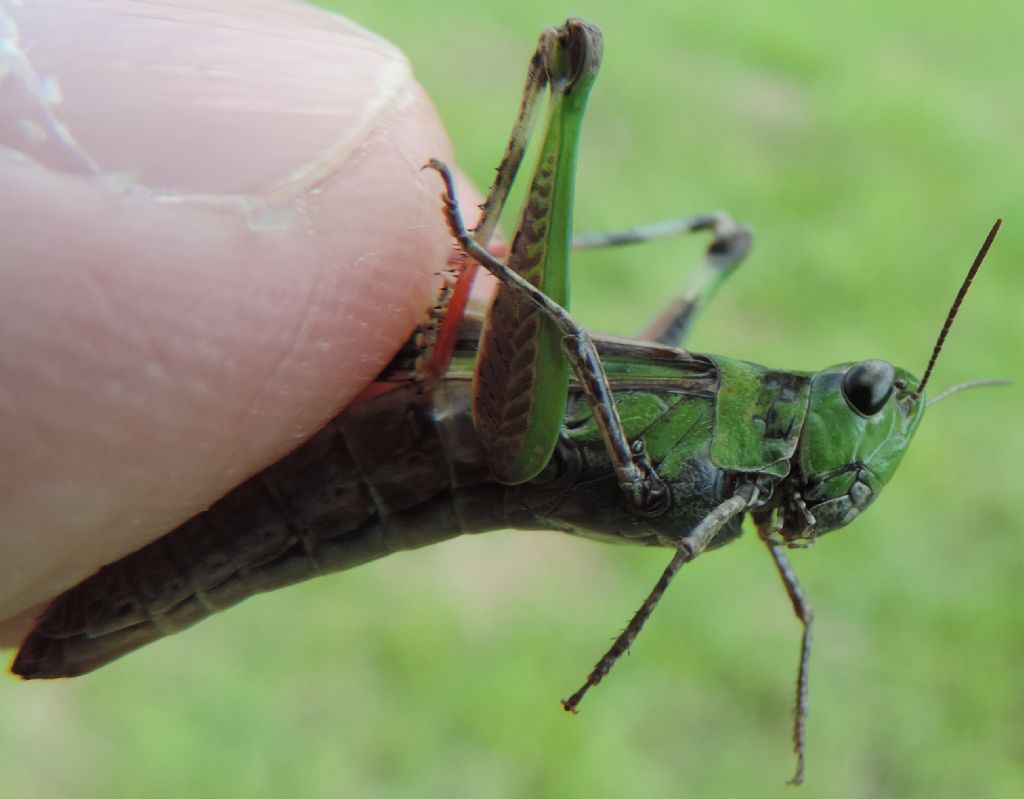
729	245
643	489
521	376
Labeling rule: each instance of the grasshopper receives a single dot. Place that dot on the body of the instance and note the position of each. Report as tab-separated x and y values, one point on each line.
525	420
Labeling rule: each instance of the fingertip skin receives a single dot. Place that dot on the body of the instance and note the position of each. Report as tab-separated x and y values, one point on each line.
230	241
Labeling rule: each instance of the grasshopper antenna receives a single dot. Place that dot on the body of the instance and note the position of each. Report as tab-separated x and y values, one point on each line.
949	392
956	304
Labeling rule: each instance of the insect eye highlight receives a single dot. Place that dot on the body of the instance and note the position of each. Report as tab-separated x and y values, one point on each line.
868	385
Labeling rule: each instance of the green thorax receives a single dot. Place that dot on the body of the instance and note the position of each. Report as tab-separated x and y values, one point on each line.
759	414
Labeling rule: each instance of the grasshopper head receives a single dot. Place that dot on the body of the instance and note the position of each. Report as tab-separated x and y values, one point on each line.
860	418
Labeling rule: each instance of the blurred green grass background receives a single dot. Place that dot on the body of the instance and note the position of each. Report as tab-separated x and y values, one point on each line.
870	145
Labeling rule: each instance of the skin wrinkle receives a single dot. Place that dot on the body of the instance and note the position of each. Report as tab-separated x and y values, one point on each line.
31	428
46	373
319	170
393	81
131	328
298	331
45	90
346	146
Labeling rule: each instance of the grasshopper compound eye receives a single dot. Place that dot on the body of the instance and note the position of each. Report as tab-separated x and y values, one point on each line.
868	385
